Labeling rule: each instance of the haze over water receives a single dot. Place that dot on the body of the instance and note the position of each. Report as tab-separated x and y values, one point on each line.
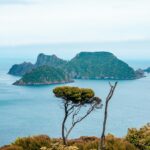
34	110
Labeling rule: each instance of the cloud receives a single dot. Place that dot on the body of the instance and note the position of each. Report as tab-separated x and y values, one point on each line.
14	2
57	21
6	2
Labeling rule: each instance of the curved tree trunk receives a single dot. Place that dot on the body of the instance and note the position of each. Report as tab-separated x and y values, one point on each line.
63	131
63	124
111	92
102	145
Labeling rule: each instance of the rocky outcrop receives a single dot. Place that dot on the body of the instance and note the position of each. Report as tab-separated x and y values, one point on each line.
51	60
21	69
42	60
140	73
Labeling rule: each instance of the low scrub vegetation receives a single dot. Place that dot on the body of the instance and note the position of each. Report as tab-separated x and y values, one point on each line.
140	137
136	139
43	142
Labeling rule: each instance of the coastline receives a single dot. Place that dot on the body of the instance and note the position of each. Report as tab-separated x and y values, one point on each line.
39	84
21	83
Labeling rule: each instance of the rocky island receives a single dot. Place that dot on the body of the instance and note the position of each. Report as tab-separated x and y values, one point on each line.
147	70
50	60
99	65
85	65
21	69
44	75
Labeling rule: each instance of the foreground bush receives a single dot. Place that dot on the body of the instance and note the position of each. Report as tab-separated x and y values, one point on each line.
83	143
140	138
58	146
11	147
113	143
29	143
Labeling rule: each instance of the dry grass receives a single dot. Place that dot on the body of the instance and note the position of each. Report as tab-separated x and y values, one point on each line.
43	142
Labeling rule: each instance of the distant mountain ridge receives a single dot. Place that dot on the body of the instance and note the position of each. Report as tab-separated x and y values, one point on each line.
85	65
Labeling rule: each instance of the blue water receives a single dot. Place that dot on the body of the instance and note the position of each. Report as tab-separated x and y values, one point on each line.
30	110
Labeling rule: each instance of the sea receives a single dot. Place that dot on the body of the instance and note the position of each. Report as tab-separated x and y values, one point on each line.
34	110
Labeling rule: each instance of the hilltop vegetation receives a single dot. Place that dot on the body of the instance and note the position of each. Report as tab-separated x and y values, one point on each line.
43	142
43	75
136	139
99	65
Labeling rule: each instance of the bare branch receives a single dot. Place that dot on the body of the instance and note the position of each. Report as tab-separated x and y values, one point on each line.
79	119
75	114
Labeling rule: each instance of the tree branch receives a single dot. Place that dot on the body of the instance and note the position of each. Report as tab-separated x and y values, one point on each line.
79	119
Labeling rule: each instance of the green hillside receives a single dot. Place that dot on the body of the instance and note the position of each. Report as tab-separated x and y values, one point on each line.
43	75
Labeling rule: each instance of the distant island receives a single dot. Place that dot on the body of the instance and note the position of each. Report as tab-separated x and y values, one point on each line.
44	75
85	65
147	70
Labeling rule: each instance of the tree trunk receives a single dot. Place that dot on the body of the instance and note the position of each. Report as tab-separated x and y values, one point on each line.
63	125
111	92
63	131
104	128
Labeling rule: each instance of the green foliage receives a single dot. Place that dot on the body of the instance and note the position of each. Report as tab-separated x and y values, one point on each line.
44	75
140	138
74	94
99	65
21	69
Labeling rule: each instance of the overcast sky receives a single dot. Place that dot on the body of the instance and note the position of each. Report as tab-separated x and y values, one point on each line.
48	21
55	21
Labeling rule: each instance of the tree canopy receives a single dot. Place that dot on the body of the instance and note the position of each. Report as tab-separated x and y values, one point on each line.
74	94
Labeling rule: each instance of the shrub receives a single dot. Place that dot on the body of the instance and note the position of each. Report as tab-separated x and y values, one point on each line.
33	143
58	146
11	147
83	143
113	143
140	138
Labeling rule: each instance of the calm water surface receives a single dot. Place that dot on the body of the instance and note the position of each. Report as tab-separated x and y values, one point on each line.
30	110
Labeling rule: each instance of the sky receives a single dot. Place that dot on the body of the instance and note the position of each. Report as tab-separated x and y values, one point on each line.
27	22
